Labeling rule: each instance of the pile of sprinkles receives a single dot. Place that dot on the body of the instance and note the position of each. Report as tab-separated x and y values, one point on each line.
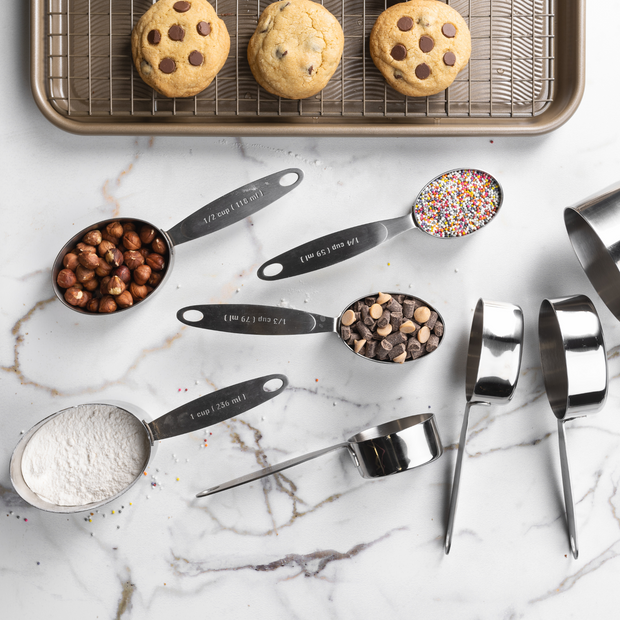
457	203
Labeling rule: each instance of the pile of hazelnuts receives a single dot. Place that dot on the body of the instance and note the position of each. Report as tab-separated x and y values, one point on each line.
113	268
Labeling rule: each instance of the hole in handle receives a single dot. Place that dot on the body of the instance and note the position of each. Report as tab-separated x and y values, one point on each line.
290	178
273	385
271	270
193	316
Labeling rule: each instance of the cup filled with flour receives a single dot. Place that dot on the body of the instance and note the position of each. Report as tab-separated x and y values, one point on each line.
82	457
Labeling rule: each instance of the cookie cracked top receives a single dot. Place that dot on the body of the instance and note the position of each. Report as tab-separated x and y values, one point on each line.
295	49
178	47
420	46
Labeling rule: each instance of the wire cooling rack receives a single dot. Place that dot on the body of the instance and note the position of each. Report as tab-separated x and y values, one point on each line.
84	76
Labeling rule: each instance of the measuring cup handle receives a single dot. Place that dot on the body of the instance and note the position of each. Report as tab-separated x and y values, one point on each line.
568	491
235	206
215	407
256	320
332	249
267	471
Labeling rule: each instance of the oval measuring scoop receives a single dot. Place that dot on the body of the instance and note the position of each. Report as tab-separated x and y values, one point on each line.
493	364
574	365
404	340
42	456
221	213
454	204
379	451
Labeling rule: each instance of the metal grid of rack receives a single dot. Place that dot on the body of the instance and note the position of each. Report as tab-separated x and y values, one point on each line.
89	72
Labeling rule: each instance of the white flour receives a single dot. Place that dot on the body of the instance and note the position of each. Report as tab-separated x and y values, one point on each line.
86	454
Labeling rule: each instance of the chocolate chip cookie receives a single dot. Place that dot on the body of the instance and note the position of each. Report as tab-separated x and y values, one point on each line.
179	47
295	49
420	46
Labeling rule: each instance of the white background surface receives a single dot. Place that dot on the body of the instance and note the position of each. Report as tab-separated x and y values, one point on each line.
320	542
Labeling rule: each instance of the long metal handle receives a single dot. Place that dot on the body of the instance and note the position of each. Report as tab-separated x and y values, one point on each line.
568	492
257	320
215	407
235	206
333	248
267	471
457	475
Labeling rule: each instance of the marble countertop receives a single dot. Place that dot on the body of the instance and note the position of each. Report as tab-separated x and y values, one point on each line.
317	541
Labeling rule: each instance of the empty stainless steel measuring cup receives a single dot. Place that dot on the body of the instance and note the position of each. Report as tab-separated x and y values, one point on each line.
379	451
340	246
273	321
221	213
574	365
493	364
195	415
593	228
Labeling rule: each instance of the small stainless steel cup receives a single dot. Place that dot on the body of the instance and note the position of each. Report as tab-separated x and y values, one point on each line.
574	364
593	227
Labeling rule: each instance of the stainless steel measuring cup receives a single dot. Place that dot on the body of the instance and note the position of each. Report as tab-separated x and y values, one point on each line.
195	415
593	227
340	246
493	364
221	213
272	321
574	365
379	451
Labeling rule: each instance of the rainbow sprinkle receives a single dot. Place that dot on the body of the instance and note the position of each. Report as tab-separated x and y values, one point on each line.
457	203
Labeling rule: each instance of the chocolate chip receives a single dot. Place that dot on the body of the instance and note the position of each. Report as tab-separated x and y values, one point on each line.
204	29
195	58
153	37
449	58
310	68
281	54
176	33
181	7
448	30
426	44
422	71
405	23
283	7
167	65
399	52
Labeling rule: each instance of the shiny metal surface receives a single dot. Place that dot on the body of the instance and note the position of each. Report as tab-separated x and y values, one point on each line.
493	364
594	230
221	213
277	321
197	414
574	365
390	448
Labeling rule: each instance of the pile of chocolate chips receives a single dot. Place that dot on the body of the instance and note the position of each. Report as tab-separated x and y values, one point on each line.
391	328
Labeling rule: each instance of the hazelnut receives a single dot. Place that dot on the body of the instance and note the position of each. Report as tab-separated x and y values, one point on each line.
123	273
115	229
116	286
155	279
86	297
66	278
92	238
84	248
70	261
156	262
73	296
93	305
103	269
159	245
121	248
138	292
106	237
133	259
83	275
107	304
124	300
91	285
131	240
144	251
141	274
103	285
114	257
128	226
104	246
147	234
89	260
